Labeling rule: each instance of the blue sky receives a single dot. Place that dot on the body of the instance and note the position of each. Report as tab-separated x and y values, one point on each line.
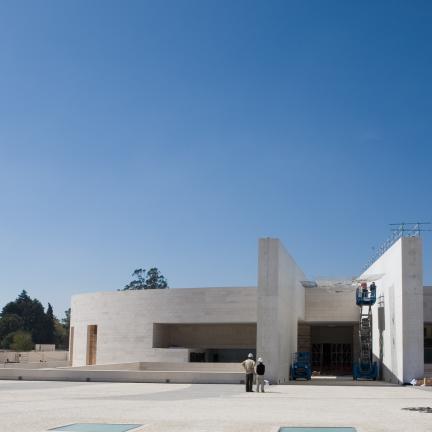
176	133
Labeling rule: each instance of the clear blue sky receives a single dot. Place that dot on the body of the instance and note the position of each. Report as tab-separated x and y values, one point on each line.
176	133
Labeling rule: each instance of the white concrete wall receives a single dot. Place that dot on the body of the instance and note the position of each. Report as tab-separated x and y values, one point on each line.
125	319
281	303
402	290
331	305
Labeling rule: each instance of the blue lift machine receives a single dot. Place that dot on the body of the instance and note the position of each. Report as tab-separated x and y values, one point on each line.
300	366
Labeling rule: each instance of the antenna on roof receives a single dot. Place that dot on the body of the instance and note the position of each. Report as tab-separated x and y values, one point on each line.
411	229
403	229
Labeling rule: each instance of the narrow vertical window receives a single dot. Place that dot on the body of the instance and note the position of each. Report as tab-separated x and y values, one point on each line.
91	344
71	345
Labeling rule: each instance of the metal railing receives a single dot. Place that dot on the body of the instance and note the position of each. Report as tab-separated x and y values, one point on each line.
399	230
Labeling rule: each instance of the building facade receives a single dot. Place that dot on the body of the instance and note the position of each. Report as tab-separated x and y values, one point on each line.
281	315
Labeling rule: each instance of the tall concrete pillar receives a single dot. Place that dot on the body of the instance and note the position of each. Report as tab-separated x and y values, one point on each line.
281	303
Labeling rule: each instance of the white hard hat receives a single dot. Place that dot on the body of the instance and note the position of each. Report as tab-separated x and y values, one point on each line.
260	360
250	355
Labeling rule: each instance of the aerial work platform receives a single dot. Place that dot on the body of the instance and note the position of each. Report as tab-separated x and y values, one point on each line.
365	368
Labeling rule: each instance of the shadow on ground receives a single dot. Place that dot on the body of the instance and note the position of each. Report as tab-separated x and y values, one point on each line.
419	409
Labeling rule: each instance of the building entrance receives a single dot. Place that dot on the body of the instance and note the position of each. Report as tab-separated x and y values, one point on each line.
332	358
332	349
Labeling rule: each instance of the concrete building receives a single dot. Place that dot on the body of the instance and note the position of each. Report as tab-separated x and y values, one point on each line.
281	315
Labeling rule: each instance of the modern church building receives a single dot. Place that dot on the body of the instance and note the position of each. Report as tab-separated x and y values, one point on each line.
283	314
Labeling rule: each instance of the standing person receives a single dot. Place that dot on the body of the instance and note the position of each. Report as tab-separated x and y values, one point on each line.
260	371
249	367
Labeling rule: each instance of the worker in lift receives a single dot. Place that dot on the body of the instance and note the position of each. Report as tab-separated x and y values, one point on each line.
372	288
364	289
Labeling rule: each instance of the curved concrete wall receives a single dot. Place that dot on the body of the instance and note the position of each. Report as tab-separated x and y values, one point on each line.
125	319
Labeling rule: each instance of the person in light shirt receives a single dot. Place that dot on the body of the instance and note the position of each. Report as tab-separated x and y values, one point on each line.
249	367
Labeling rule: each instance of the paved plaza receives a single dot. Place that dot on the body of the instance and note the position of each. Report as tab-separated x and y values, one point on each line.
39	406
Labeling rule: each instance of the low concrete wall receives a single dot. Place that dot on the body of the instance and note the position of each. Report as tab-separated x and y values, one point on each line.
197	367
118	366
33	356
36	365
179	377
171	367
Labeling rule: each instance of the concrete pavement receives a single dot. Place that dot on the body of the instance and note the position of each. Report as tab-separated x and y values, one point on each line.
38	406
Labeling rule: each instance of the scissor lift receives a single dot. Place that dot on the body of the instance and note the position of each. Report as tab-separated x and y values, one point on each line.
365	368
300	366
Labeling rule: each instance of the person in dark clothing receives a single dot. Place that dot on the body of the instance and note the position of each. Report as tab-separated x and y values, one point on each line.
260	371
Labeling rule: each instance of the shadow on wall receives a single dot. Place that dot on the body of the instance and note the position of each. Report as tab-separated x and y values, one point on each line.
384	373
387	374
381	328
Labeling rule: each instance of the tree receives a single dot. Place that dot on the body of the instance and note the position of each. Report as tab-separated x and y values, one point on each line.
31	312
66	320
21	341
62	330
152	279
155	280
10	323
61	335
48	328
28	315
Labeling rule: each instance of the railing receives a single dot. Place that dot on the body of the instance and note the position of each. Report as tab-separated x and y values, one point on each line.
365	297
403	229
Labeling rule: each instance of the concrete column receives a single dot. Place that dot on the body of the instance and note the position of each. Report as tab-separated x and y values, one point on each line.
281	303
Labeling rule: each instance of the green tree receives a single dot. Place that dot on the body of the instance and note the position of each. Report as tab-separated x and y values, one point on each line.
61	331
48	328
32	314
66	320
10	323
28	315
22	341
7	341
155	280
61	335
143	279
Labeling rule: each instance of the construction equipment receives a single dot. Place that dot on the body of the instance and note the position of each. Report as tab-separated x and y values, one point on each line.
300	366
365	368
